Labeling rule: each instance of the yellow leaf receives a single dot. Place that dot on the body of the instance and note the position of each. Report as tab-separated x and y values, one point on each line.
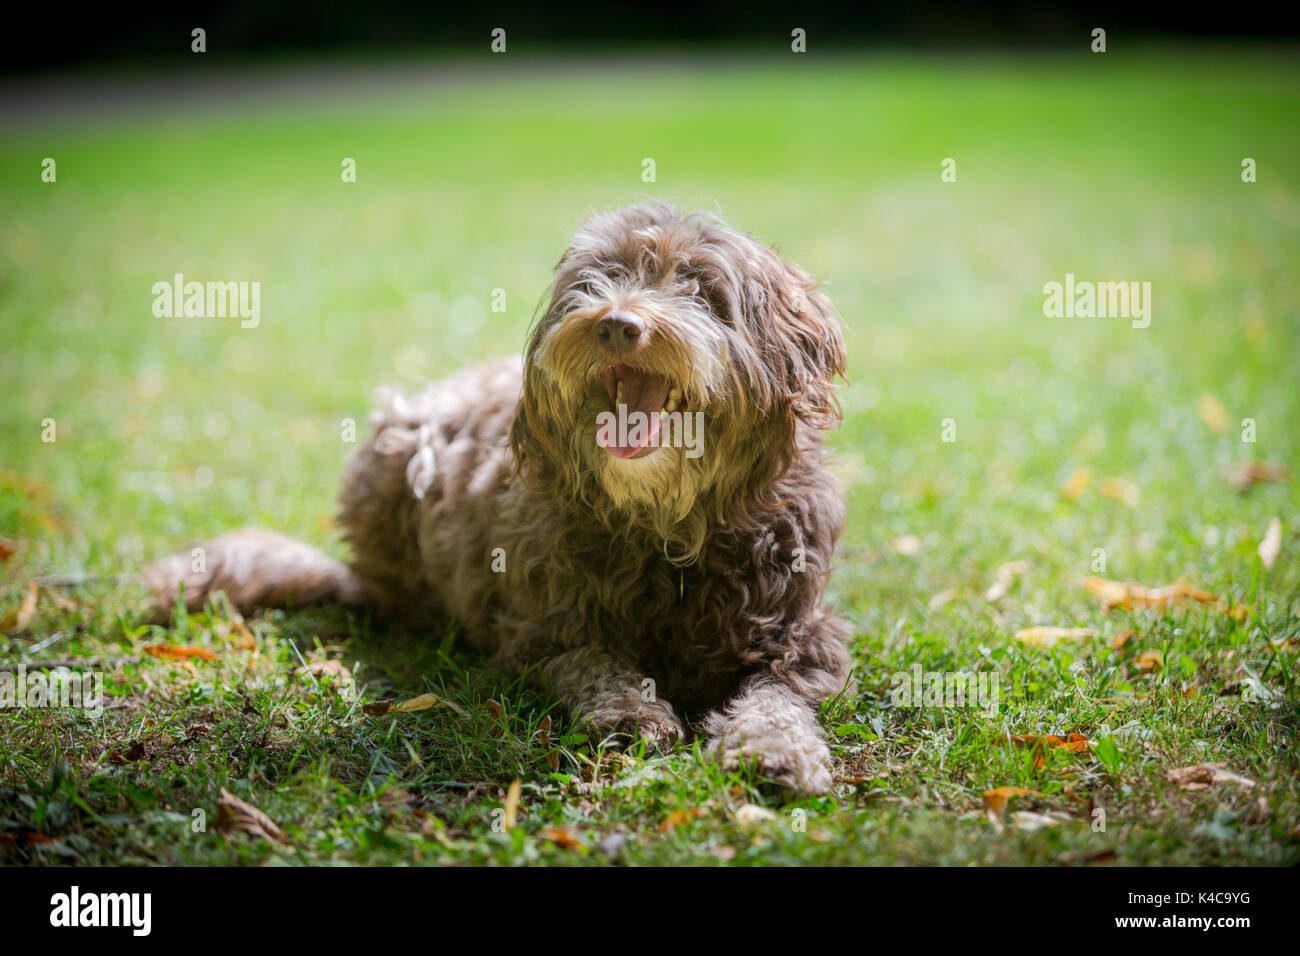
512	804
424	702
1120	489
1048	637
1076	484
1213	413
1149	662
995	803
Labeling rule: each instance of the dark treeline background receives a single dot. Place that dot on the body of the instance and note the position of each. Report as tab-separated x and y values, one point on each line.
126	34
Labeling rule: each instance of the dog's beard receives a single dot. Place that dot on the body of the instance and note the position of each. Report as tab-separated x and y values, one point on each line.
655	478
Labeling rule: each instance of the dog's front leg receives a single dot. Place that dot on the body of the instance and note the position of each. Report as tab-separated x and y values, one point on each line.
770	724
612	697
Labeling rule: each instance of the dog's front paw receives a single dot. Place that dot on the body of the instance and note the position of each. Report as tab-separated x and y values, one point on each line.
628	717
797	761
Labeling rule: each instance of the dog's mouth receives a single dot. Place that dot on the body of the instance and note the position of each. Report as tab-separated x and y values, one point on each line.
644	392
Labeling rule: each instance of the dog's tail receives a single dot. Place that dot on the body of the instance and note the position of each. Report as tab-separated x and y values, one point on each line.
256	569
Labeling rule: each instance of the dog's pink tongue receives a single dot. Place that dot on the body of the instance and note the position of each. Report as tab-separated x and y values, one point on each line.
642	392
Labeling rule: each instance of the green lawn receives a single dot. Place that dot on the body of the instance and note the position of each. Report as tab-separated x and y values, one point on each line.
1124	166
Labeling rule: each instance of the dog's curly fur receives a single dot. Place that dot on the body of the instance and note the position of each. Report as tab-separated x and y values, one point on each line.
651	590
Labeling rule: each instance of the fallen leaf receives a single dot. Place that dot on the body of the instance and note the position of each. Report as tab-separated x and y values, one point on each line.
326	668
512	804
1048	637
177	652
561	837
21	616
1272	543
1075	743
1120	489
1119	594
1149	662
7	549
1213	413
995	803
496	710
1076	484
679	817
1200	777
133	752
235	814
249	641
61	602
1006	575
1119	640
906	545
1245	476
1029	821
942	598
751	814
424	702
378	708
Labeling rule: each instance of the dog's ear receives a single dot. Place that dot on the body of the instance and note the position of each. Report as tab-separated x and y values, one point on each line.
796	331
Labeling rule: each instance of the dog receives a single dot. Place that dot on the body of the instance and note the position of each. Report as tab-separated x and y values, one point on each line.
655	589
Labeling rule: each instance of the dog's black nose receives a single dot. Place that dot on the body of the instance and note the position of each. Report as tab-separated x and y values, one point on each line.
619	331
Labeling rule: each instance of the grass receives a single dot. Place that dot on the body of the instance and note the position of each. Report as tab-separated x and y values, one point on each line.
1123	166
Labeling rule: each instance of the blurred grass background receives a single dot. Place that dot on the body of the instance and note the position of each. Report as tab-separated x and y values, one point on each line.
471	177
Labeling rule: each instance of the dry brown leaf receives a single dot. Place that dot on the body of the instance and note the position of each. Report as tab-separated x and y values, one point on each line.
249	641
1245	476
496	710
1128	595
326	668
1272	543
235	814
1149	662
1075	743
1076	484
21	616
1200	777
61	602
1213	413
379	707
7	549
561	837
1006	575
512	804
1119	640
1048	637
178	652
995	803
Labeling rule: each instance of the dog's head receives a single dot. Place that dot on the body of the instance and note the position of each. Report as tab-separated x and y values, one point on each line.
670	368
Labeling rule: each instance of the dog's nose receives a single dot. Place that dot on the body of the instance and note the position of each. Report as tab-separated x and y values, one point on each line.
619	331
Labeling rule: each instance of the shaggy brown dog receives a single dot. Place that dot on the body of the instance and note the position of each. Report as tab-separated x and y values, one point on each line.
652	580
